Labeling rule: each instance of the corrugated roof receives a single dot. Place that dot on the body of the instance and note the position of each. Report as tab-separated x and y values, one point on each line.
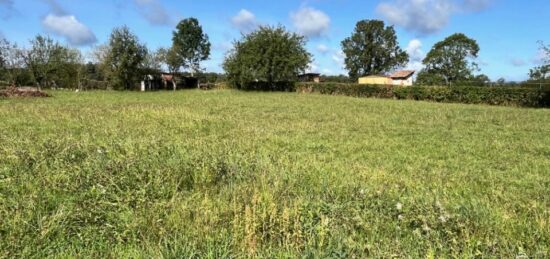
402	74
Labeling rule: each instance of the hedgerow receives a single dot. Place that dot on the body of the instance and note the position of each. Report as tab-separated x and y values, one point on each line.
510	96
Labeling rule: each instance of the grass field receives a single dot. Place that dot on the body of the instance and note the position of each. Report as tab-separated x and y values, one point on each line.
240	174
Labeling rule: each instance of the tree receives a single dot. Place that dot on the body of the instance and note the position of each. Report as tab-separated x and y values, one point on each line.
450	59
190	44
270	55
51	64
125	56
372	49
172	60
11	62
542	72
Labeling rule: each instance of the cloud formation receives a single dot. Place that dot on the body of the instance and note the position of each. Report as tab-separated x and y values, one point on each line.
416	55
153	12
323	49
310	22
518	62
427	16
70	28
339	58
245	21
60	23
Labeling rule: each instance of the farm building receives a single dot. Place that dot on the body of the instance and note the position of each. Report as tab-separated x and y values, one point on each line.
166	81
400	78
375	80
310	77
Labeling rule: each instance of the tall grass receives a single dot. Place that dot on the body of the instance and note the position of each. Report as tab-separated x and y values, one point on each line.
241	174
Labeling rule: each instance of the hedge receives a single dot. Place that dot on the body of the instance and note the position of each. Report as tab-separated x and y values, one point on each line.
511	96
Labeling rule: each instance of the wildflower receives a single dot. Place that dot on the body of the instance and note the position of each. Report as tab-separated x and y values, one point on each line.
399	206
400	217
443	218
426	228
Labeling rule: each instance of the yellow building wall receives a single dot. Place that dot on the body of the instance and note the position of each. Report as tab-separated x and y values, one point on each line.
375	80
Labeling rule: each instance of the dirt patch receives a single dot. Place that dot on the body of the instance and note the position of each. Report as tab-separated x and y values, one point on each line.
22	92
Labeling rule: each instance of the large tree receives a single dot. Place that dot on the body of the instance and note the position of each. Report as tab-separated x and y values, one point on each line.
190	44
52	64
451	60
270	55
125	56
372	49
542	72
11	62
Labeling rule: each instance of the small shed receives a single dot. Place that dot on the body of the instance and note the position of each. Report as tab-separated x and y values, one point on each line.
310	77
402	78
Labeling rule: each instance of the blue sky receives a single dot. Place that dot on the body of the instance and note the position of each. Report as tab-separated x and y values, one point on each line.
506	30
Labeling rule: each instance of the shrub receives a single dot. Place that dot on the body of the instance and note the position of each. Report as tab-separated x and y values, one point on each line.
266	86
512	96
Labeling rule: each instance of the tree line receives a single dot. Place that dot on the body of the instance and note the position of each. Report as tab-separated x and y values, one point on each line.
269	57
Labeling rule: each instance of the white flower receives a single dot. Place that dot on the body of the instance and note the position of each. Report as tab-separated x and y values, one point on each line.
399	206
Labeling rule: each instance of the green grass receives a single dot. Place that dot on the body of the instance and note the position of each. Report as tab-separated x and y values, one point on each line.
240	174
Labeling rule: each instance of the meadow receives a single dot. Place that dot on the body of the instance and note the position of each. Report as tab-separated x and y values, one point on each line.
226	173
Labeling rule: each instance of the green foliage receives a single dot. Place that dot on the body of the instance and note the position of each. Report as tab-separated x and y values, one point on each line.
269	58
337	79
190	45
450	60
542	72
372	49
124	57
51	64
11	63
232	174
170	58
512	96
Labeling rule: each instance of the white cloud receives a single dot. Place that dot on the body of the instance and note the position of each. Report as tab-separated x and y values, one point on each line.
70	28
245	21
427	16
154	12
416	55
327	71
312	67
339	59
518	62
323	49
414	49
310	22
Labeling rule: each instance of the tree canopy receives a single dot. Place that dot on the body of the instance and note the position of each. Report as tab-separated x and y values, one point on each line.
542	72
372	49
269	55
450	60
190	45
52	64
125	56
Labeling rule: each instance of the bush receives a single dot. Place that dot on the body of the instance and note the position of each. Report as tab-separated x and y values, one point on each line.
95	85
512	96
266	86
